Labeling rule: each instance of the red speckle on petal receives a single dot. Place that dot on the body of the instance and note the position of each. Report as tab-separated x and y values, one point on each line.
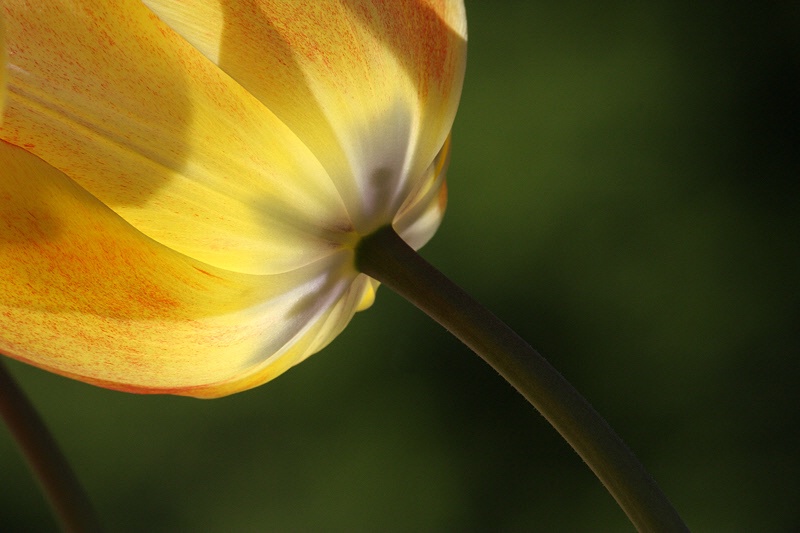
206	273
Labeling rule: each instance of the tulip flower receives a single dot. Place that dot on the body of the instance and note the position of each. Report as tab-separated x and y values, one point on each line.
185	186
197	195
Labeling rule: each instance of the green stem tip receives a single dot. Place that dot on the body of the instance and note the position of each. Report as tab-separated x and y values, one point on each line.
385	257
50	466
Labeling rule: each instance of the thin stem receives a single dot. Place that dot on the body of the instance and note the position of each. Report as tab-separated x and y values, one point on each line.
385	257
44	457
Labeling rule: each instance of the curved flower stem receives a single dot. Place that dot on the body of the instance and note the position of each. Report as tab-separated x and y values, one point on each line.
385	257
57	479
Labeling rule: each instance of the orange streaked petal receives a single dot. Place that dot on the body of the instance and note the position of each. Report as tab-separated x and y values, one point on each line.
3	67
108	94
84	294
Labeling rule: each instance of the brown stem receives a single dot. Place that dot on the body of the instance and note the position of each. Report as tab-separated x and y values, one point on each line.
385	257
49	465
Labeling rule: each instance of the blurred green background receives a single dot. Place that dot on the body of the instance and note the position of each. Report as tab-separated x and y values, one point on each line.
624	192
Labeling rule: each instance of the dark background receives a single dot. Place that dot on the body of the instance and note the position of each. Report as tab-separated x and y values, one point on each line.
624	192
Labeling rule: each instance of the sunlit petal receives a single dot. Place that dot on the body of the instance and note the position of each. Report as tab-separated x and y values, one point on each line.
181	192
105	92
370	87
82	293
314	339
3	66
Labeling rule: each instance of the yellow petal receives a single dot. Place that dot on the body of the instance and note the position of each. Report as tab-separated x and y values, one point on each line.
371	88
3	66
84	294
108	94
419	218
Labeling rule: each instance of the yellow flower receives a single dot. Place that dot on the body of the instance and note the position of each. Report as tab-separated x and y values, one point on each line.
183	182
